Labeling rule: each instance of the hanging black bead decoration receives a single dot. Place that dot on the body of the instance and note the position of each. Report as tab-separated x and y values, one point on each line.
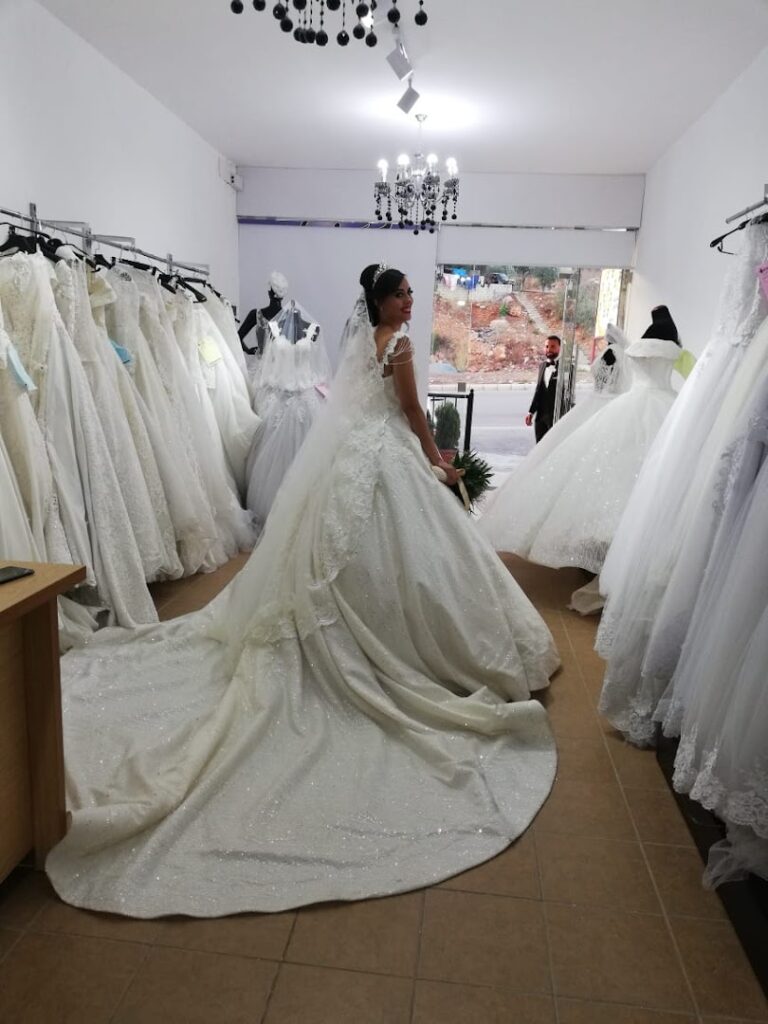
286	25
299	4
393	14
359	31
322	38
421	16
237	6
259	5
279	11
371	39
342	38
307	32
333	5
362	11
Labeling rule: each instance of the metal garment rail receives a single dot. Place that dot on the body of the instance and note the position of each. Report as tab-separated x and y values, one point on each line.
79	229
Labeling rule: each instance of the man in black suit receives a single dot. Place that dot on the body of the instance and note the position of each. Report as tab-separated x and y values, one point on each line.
542	411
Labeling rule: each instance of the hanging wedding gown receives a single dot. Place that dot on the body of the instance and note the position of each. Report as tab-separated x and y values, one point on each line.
191	513
286	394
341	723
96	523
568	510
717	699
673	505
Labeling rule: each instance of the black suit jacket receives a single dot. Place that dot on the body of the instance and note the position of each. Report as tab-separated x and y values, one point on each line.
543	404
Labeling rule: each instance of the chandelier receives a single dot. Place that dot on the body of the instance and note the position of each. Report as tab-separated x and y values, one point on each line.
417	190
306	18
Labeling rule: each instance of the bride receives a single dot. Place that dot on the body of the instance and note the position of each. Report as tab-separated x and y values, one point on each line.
350	718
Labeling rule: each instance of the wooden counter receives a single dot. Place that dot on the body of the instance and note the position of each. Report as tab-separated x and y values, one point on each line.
32	811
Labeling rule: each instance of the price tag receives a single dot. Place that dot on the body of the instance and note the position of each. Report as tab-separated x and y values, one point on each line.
123	353
209	350
685	363
19	372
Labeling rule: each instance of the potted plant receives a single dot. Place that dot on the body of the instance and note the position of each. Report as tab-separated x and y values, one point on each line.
447	430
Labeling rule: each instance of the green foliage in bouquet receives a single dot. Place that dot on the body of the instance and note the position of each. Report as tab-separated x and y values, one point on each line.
447	426
477	476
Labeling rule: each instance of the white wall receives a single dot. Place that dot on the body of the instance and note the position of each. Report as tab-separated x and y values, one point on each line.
717	167
324	264
85	142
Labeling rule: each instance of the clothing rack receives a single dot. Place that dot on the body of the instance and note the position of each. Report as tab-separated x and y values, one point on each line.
749	209
82	230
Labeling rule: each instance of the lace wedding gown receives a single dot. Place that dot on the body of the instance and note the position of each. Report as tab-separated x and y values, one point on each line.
568	510
288	400
350	718
674	505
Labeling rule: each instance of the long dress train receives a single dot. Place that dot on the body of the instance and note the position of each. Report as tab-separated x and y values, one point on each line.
350	718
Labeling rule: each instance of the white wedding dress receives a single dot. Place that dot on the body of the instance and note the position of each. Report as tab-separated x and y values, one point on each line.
568	510
350	718
286	395
650	589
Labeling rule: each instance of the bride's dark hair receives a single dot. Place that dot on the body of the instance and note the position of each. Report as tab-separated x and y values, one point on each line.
386	284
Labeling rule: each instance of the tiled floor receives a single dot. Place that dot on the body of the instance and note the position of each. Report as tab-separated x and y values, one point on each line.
596	916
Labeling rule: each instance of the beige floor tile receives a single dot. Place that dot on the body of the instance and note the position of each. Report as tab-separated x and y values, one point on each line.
440	1003
22	896
58	917
486	940
249	935
176	986
678	872
596	872
722	979
319	995
657	817
593	809
513	873
377	936
47	980
571	712
584	759
572	1012
611	956
636	768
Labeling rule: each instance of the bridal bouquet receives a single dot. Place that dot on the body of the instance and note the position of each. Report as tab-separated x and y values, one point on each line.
474	482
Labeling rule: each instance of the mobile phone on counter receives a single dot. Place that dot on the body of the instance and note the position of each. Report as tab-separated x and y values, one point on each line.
14	572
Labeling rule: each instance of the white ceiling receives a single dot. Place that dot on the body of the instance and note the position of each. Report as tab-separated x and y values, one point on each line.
590	86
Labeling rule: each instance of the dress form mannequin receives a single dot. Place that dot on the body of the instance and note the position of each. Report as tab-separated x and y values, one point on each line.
258	318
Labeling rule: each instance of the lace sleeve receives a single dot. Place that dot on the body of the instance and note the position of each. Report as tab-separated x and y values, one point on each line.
398	350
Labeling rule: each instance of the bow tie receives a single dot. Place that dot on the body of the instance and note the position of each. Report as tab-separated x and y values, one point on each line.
551	362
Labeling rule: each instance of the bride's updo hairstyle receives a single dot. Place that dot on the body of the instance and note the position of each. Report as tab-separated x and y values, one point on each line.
386	284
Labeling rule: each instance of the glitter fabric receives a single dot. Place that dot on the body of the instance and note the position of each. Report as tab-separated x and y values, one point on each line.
568	510
351	718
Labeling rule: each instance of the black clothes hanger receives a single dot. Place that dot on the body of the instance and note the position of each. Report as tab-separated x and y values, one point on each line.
205	284
717	243
17	242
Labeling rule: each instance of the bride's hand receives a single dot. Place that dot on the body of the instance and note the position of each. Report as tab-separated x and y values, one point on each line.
451	473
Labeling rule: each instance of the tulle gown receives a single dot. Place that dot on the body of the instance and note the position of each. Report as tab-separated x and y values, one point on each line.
287	398
568	510
350	718
678	477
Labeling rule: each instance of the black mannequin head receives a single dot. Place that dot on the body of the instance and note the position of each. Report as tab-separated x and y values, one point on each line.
662	325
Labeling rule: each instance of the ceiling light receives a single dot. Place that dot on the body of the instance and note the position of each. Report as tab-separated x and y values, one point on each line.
409	99
398	61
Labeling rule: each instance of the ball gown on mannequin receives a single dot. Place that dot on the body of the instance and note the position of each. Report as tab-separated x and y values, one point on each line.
568	510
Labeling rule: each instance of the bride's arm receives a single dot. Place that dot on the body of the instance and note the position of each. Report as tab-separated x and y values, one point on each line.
408	395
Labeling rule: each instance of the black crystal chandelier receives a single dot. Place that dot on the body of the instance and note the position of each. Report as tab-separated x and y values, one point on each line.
417	190
306	19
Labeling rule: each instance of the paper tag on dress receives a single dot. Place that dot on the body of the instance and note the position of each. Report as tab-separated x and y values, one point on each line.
762	276
322	389
19	372
123	353
209	350
685	363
